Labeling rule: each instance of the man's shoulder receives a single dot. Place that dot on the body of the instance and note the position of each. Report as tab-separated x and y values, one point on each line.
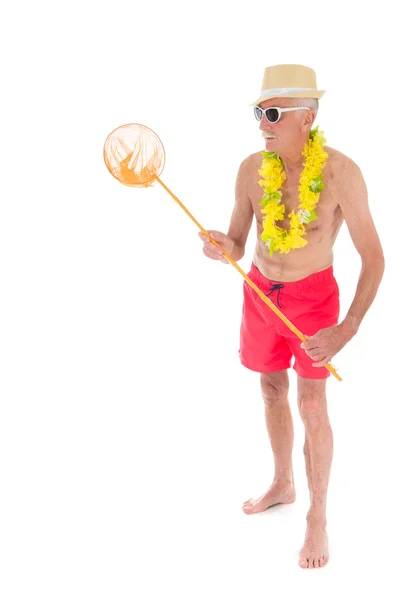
250	164
336	158
253	159
343	176
340	168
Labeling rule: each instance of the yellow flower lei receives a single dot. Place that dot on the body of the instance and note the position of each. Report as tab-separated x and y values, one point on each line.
310	185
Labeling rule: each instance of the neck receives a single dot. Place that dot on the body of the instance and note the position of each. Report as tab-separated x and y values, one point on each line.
293	158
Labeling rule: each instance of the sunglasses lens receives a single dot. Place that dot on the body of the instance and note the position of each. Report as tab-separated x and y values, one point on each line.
258	113
272	115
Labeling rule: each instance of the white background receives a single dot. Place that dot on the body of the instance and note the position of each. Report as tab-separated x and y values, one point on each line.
130	434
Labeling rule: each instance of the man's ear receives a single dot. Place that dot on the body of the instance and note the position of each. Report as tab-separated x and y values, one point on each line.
308	120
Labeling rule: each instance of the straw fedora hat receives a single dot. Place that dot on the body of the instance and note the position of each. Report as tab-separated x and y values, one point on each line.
288	81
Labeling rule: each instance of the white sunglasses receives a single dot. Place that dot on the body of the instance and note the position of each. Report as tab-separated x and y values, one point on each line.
273	113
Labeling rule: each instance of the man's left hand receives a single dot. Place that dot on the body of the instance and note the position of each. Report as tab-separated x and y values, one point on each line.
325	344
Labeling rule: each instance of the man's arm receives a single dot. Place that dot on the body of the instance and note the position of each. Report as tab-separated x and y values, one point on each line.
241	218
354	205
240	223
355	209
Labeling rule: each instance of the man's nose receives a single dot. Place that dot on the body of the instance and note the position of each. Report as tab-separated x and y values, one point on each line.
264	124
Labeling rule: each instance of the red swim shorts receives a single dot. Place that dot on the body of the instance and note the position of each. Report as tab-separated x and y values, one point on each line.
266	343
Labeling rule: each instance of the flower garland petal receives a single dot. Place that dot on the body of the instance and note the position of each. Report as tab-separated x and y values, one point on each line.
310	186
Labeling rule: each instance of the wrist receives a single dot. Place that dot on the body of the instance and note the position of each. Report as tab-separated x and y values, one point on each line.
350	326
237	252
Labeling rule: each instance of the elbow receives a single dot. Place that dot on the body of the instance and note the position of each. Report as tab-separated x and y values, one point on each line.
376	261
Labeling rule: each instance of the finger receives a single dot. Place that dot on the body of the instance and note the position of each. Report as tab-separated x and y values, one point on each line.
215	244
314	353
206	237
213	255
209	248
309	345
213	247
321	363
317	354
217	236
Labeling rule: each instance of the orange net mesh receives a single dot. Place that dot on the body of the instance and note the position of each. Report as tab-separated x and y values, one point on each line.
134	155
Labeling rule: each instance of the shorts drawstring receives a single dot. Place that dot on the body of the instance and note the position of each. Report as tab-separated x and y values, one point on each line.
278	287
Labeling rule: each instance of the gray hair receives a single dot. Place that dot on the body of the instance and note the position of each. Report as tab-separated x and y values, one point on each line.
311	103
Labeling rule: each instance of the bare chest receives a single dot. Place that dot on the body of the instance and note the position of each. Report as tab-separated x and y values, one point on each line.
328	210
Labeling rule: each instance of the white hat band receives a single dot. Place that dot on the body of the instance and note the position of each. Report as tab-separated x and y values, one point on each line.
279	91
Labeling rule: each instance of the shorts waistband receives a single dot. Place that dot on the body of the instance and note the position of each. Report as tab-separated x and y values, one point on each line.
325	276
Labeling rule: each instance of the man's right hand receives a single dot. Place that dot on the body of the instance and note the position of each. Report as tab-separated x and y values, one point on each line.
212	251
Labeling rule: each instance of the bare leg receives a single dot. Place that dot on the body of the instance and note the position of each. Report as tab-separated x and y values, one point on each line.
318	452
307	464
281	434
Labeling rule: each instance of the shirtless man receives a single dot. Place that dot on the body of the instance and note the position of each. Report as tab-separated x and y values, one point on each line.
307	293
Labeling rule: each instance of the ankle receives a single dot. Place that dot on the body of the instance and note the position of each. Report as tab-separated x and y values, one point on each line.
284	480
316	519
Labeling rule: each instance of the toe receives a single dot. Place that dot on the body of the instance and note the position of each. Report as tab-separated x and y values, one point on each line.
304	563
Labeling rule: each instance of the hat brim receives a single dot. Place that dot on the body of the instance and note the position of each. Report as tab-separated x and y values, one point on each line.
316	95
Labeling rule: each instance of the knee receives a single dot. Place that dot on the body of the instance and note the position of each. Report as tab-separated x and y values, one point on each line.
313	409
273	392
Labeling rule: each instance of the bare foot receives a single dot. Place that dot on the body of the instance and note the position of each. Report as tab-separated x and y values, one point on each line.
314	553
278	493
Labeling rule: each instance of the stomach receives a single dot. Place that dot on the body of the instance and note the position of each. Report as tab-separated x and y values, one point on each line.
316	256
